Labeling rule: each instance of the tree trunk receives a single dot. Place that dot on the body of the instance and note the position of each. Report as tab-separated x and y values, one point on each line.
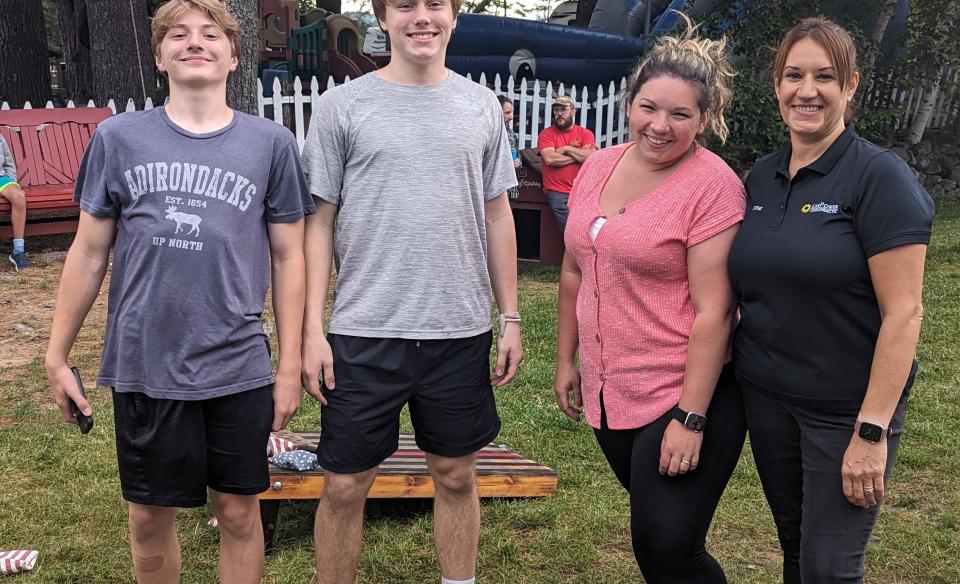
24	66
75	39
242	84
122	62
883	19
923	115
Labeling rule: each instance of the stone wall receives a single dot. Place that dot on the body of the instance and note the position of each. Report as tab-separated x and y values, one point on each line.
936	164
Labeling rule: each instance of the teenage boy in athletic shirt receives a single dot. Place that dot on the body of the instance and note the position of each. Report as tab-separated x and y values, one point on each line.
208	204
408	166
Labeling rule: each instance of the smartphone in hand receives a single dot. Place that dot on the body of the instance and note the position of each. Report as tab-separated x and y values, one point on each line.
85	422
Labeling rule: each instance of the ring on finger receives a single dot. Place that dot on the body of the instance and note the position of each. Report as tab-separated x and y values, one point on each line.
867	489
684	461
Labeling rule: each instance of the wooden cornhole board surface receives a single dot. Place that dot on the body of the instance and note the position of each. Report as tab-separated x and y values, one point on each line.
500	473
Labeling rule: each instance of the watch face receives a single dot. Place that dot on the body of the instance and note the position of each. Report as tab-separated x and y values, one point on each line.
696	422
870	432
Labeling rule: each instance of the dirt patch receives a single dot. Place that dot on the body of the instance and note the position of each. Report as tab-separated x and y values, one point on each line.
27	300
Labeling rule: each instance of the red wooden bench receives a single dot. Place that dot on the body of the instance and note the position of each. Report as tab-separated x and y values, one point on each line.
47	146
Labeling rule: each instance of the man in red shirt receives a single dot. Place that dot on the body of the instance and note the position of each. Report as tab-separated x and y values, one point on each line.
563	147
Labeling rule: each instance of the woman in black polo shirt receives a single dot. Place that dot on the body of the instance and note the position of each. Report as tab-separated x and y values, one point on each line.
828	266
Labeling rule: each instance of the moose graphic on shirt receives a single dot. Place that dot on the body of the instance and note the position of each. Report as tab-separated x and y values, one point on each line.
192	220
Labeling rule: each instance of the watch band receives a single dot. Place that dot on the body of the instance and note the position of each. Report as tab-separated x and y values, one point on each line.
506	317
690	420
871	432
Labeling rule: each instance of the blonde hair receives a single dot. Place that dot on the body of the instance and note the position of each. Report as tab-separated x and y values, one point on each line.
700	62
168	15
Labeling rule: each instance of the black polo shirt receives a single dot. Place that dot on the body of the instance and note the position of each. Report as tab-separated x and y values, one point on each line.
809	315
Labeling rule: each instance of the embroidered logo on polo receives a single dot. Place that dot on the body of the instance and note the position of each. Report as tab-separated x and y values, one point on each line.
820	207
757	208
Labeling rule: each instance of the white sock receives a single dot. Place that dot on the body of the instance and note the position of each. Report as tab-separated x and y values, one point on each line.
448	581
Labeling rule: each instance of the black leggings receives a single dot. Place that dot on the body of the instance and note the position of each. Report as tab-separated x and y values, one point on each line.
670	516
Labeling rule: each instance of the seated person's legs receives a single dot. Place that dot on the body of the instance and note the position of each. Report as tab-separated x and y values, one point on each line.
18	218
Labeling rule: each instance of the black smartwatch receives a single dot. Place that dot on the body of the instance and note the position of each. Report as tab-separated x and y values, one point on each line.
690	420
870	432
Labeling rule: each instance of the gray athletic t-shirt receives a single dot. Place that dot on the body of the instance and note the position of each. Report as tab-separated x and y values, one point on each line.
410	168
191	261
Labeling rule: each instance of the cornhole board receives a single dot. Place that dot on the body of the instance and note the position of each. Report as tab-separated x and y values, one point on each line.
500	473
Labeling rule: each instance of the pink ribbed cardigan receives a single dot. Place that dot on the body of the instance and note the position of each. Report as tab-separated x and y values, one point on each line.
634	309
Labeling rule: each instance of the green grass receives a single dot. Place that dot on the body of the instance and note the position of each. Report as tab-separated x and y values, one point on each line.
59	490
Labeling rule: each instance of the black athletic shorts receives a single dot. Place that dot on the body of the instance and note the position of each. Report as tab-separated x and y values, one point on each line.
170	451
446	382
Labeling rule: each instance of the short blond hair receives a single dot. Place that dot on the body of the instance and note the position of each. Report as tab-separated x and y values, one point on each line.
168	15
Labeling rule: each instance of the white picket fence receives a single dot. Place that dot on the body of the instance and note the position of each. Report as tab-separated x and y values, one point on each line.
598	110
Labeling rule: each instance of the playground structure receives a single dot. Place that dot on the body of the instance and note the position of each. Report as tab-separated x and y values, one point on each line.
319	42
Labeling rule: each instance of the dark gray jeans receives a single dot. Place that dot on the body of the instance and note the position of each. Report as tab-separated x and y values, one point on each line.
799	452
558	204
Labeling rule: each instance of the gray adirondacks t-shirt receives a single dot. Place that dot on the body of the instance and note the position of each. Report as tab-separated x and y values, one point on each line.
191	261
410	169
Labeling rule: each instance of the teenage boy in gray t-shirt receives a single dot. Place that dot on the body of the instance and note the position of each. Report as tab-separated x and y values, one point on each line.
409	167
207	202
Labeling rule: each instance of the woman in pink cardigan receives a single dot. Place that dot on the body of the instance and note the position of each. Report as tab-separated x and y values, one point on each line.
644	295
